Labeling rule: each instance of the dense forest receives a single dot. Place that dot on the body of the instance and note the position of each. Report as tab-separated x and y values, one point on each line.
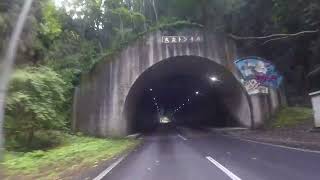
63	39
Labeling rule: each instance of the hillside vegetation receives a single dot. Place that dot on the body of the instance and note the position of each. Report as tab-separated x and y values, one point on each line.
63	40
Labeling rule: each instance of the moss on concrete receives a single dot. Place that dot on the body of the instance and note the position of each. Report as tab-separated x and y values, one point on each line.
292	116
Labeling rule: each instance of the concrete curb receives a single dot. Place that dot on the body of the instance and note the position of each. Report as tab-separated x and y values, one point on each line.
227	130
134	136
315	130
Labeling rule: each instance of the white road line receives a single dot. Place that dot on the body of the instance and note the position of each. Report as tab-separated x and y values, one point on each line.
183	138
281	146
273	145
106	171
222	168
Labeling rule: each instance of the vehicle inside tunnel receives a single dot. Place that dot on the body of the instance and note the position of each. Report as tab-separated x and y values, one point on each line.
184	91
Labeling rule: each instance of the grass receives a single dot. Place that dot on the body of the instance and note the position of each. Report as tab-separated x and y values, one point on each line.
291	116
77	152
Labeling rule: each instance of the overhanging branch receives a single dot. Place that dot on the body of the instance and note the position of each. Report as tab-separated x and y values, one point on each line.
275	39
272	37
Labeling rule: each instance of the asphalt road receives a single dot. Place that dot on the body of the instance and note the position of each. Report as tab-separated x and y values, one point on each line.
195	155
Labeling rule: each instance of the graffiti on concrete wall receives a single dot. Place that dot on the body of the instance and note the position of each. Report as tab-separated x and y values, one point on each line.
258	75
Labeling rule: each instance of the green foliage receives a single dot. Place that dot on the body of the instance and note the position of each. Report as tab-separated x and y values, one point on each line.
179	25
291	116
296	14
50	27
75	153
3	24
42	140
163	24
70	55
71	40
35	102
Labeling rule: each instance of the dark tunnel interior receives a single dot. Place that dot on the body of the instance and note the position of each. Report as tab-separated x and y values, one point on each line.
182	91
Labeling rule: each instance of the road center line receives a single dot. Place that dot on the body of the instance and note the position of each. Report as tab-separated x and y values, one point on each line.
222	168
183	138
106	171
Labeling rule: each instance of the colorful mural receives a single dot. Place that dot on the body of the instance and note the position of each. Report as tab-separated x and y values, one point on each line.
258	75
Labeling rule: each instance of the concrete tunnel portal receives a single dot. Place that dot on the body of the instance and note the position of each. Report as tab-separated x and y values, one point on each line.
131	90
189	91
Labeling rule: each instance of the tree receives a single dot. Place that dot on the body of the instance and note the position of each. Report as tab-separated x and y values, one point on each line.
50	25
35	102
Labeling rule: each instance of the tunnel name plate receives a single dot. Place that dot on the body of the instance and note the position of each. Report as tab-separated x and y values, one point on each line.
181	39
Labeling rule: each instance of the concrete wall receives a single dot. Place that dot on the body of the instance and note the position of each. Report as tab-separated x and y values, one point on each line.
259	108
99	102
315	99
264	106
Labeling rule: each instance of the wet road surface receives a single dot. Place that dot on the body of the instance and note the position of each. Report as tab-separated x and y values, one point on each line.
195	155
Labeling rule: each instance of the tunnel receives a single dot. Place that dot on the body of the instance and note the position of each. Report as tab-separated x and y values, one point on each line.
187	91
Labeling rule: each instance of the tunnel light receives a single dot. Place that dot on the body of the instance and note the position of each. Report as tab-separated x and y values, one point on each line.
154	98
164	120
188	100
182	104
151	89
197	92
214	79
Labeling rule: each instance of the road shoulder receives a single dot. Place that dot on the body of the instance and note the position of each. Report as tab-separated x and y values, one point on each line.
96	170
299	137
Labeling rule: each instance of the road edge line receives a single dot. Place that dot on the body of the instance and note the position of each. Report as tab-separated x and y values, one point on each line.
108	169
281	146
271	144
183	138
222	168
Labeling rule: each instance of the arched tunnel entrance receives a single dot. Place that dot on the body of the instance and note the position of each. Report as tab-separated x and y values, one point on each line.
186	91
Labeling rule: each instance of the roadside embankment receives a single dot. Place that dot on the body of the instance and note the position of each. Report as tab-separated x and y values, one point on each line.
291	126
76	155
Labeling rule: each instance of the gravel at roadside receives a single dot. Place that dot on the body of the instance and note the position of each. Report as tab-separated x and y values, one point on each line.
299	136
